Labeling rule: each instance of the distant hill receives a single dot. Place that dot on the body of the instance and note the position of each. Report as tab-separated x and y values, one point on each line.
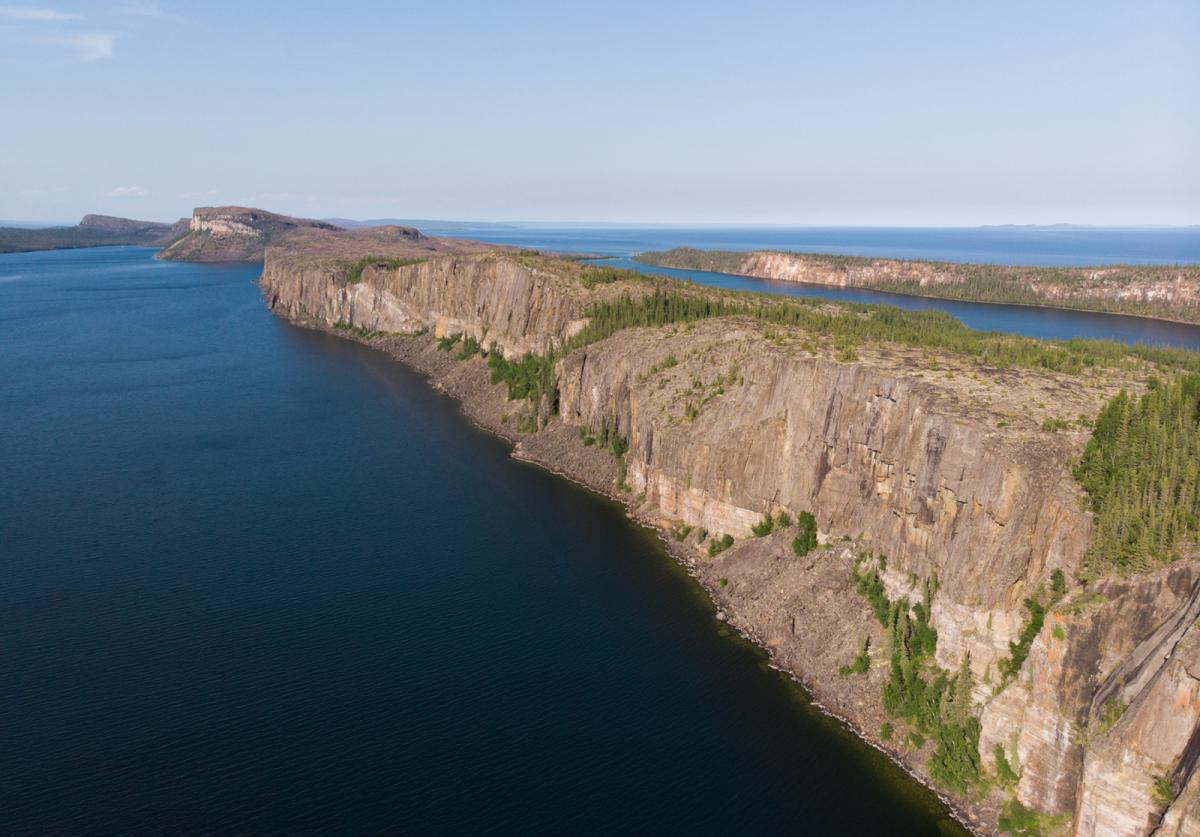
234	234
92	231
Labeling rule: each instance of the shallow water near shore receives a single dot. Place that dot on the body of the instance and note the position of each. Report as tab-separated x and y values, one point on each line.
258	578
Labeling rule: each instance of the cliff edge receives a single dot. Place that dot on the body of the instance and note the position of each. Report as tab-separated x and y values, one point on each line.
884	500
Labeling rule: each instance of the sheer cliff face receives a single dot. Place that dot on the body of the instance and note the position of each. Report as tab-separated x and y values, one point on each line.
947	473
488	297
519	304
925	476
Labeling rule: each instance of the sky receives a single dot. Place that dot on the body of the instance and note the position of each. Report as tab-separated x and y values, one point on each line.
838	113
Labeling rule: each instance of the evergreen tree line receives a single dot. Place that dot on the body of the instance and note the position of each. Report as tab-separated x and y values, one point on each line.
1141	470
850	324
940	707
981	282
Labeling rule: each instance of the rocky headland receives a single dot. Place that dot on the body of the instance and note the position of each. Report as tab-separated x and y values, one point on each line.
1170	292
92	231
885	503
233	234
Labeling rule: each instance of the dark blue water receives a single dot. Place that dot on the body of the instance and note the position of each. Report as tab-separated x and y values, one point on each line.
257	579
1046	247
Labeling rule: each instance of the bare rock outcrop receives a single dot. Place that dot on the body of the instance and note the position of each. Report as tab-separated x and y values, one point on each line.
233	234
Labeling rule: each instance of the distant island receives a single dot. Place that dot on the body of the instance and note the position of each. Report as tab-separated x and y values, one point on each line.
92	231
1170	292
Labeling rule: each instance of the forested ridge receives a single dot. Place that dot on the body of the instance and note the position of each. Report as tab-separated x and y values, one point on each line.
1141	470
1120	289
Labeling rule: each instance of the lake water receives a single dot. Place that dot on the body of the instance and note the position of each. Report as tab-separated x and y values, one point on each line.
255	578
258	579
1045	247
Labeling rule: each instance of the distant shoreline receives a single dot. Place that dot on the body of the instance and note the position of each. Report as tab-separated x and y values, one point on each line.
874	275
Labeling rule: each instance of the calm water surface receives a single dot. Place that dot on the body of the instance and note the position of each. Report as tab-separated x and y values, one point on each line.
254	578
1045	247
257	579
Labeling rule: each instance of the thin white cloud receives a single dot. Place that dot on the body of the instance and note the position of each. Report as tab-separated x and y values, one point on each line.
35	13
89	46
126	192
141	10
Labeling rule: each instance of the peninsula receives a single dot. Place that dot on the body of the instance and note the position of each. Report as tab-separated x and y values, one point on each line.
92	231
976	549
1170	292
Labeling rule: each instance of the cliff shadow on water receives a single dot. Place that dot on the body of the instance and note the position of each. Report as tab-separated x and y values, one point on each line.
259	578
748	722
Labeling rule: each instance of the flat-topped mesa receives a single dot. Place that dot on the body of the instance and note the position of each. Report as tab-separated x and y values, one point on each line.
1166	291
233	234
952	468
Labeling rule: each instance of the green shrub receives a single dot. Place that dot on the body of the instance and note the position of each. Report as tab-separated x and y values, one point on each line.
1111	712
364	333
763	527
681	532
1004	770
1010	666
470	347
915	740
783	520
1053	425
870	587
955	763
723	581
529	378
1058	586
719	544
862	660
1018	821
1164	791
448	342
806	539
885	731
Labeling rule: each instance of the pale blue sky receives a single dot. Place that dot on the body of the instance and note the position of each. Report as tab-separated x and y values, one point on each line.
905	113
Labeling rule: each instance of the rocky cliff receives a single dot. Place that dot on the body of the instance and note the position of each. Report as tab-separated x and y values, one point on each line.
939	464
233	234
1166	291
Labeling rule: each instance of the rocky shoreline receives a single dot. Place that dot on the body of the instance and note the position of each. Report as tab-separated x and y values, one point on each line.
853	702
